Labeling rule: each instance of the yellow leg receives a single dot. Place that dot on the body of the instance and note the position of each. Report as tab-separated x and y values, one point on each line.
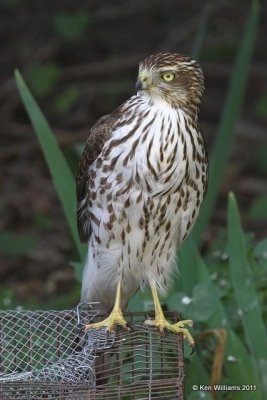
161	323
115	317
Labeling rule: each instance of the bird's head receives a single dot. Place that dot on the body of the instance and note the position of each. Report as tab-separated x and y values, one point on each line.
176	79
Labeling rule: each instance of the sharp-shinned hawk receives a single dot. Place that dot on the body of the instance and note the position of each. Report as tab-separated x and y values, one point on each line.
140	184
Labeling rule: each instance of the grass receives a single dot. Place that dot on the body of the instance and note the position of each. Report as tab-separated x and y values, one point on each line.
61	174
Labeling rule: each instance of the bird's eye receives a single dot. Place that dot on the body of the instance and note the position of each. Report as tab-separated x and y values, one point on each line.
168	76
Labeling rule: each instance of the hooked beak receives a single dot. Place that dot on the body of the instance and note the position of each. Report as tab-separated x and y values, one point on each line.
139	85
143	82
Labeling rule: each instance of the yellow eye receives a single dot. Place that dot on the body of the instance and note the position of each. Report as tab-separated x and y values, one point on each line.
168	77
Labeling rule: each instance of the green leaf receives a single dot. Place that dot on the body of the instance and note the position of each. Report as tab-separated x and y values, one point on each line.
78	270
78	149
44	221
142	301
260	250
43	78
219	52
10	3
258	209
241	369
261	106
201	32
7	298
261	157
14	244
200	306
199	394
64	101
231	111
187	266
196	375
71	26
245	293
59	169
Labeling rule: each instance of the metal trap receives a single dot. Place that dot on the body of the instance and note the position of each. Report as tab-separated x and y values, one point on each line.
48	355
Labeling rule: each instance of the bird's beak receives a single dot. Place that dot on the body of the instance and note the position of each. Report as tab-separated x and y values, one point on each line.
143	82
139	84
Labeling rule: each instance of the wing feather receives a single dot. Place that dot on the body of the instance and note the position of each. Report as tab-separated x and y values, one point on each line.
100	132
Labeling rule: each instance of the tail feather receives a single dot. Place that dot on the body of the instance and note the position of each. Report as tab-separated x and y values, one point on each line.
99	286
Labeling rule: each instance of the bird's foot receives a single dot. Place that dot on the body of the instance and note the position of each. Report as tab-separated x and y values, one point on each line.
179	327
110	323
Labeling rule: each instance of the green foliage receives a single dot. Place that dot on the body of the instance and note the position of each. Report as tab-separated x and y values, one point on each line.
245	293
15	244
43	78
260	251
220	52
200	306
201	31
71	26
7	298
230	114
64	101
59	169
261	157
55	301
225	310
10	3
261	106
258	209
43	221
78	269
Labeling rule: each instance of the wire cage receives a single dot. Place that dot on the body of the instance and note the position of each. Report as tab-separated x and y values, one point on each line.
48	355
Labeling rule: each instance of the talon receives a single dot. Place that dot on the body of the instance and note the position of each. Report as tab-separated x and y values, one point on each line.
110	323
162	324
192	350
115	318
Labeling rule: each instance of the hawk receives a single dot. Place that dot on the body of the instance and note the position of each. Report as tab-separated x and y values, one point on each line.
140	184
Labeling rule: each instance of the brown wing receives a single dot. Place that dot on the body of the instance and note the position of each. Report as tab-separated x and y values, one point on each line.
99	134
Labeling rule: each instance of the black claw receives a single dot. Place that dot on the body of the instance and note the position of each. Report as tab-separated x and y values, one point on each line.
193	348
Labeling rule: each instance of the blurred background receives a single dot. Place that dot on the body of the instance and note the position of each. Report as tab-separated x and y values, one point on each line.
80	61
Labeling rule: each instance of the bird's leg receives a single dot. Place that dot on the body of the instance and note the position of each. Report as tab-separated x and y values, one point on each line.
162	324
115	317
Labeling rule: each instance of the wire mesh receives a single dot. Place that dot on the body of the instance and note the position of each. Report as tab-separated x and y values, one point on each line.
48	355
